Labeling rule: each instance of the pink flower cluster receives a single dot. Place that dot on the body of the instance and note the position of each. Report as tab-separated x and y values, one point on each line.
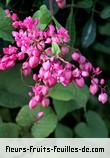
33	48
61	3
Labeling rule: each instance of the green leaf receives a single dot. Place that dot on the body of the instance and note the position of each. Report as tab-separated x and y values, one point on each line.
105	29
44	17
13	91
63	93
71	92
63	131
70	25
102	48
5	27
81	96
62	108
58	25
88	33
85	4
9	130
8	1
5	114
55	49
11	100
93	128
26	117
79	101
105	13
46	125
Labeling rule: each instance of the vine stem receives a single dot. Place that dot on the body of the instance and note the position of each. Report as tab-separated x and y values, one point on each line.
51	6
64	61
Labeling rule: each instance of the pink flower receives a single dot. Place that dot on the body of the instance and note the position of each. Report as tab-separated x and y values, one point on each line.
75	56
93	89
14	17
45	102
80	82
33	103
103	98
102	81
61	3
46	65
40	114
33	61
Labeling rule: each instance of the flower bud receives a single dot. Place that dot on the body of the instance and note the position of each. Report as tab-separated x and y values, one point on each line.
93	89
46	65
103	98
45	90
75	56
40	114
80	82
102	81
33	103
85	74
52	81
45	102
33	61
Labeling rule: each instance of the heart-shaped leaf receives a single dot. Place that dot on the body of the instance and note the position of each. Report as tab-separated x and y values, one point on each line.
26	117
93	128
60	92
46	125
78	101
63	131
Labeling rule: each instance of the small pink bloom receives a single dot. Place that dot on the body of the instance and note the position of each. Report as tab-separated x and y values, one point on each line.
93	89
76	73
95	81
103	98
33	61
52	81
33	103
45	90
87	66
51	30
35	77
64	50
30	94
82	59
45	102
75	56
61	3
85	74
40	114
80	82
14	17
46	65
102	81
21	56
